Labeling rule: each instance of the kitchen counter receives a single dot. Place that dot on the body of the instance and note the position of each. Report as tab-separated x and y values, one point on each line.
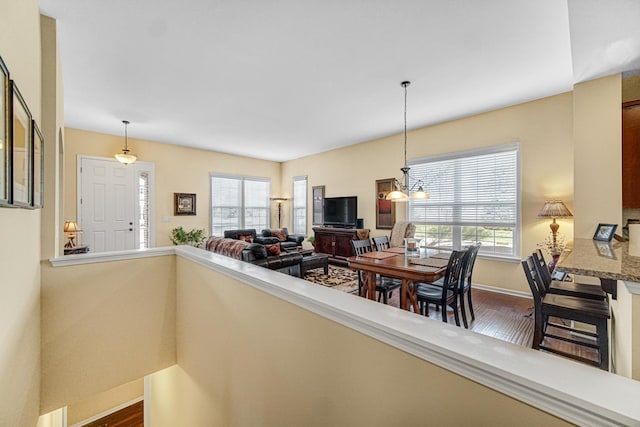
609	262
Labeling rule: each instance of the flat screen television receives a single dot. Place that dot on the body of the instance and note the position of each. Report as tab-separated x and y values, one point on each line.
340	211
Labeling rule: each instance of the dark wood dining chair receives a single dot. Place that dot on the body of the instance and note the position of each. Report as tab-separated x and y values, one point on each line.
445	295
572	289
547	305
381	243
465	287
383	287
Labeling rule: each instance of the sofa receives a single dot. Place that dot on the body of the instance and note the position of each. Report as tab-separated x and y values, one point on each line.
287	242
249	235
256	253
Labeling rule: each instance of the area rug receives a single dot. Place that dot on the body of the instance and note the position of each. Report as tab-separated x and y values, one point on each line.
339	278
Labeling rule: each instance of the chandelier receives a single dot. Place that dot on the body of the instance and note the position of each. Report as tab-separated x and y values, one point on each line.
125	158
401	191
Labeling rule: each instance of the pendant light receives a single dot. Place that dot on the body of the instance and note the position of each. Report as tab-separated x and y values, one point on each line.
125	158
401	189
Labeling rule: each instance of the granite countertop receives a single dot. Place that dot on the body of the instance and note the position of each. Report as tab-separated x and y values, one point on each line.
601	259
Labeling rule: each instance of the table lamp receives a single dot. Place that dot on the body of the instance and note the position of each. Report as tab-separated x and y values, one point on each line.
72	230
554	209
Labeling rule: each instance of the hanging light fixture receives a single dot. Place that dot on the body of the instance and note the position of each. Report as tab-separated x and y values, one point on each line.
124	157
401	191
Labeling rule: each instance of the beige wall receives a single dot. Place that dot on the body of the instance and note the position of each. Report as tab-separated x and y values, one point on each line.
597	130
52	122
253	364
104	325
178	170
631	88
20	231
544	129
105	401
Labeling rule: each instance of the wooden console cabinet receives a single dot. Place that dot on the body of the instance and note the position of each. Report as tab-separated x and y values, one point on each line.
335	242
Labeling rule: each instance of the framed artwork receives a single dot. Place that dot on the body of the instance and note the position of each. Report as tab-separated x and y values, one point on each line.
605	232
317	195
184	203
21	146
37	179
5	140
385	209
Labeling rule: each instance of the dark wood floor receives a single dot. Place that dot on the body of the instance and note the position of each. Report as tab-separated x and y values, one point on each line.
505	317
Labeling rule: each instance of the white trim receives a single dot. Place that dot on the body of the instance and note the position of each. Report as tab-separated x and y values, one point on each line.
513	293
633	287
108	412
569	390
572	391
92	258
147	401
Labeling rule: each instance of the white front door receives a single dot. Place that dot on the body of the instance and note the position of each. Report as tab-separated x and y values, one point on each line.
109	204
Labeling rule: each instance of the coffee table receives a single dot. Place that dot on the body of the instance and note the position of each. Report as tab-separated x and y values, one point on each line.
312	261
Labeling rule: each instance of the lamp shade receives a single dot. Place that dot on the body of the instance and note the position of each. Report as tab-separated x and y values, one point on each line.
71	227
279	199
397	196
554	209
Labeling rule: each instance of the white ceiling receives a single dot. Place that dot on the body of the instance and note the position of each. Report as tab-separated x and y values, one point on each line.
282	79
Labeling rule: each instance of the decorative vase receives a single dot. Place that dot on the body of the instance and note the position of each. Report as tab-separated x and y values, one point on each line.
553	262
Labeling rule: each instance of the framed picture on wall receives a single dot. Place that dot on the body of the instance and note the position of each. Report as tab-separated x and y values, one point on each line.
5	141
37	178
21	145
184	203
385	209
317	195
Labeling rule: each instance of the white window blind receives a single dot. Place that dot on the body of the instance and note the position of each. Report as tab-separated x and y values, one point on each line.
474	197
239	202
300	205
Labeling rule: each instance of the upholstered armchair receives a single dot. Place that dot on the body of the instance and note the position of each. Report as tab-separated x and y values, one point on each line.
400	230
287	242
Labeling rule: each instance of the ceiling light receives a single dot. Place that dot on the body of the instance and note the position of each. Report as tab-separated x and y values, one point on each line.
401	190
125	158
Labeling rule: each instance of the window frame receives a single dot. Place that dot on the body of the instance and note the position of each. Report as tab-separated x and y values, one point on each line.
304	208
243	205
457	229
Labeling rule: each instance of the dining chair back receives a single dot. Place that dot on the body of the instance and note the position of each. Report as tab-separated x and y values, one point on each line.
381	243
562	307
470	262
446	294
384	285
573	289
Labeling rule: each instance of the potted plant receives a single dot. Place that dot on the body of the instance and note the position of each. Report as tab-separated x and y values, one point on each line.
194	237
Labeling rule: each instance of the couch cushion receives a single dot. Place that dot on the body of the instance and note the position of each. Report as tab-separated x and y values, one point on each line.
273	249
279	233
246	237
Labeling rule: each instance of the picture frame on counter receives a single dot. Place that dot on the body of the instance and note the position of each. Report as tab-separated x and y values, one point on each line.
605	232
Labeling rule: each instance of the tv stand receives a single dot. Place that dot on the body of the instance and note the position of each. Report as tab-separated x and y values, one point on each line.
335	242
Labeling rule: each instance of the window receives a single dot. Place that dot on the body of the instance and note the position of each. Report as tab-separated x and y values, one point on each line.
300	205
239	202
474	197
143	210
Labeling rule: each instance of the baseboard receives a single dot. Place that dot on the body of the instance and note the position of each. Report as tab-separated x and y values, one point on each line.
501	290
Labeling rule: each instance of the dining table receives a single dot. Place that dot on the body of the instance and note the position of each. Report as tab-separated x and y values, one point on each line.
425	267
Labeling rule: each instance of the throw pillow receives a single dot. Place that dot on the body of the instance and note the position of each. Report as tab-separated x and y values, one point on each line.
246	237
273	249
279	233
